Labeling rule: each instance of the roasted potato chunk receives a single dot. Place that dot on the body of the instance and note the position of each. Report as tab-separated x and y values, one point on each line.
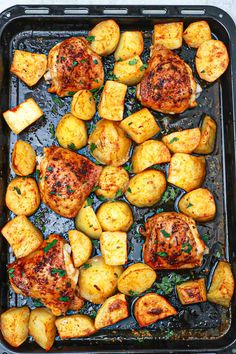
114	247
140	126
146	188
23	158
192	292
149	153
129	71
185	141
151	308
115	216
22	196
87	221
187	171
81	247
208	136
14	325
105	37
75	326
131	44
77	303
168	34
222	285
71	132
197	33
83	105
212	60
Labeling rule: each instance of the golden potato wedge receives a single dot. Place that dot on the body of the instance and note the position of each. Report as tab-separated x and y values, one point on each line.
129	71
71	132
208	136
151	308
75	326
185	141
149	153
212	60
114	247
87	221
199	204
130	44
78	302
187	171
42	327
14	325
222	285
146	188
114	309
29	67
197	33
22	196
137	278
23	115
192	291
23	158
83	105
115	216
168	34
105	37
81	247
140	126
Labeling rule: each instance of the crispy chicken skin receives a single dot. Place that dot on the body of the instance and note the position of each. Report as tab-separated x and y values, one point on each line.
66	180
73	66
168	85
47	274
172	242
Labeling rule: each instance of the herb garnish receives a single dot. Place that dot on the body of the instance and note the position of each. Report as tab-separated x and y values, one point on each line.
119	193
95	61
133	61
133	293
52	131
93	147
11	272
50	169
50	245
186	247
143	67
86	266
71	146
89	202
189	205
165	234
17	190
60	272
161	254
127	168
173	140
75	63
64	298
58	101
90	39
83	61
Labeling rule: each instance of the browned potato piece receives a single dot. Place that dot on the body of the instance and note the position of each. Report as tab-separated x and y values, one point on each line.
75	326
81	247
151	308
23	158
129	71
71	132
208	136
222	285
131	44
105	37
115	216
78	302
185	141
212	60
192	292
168	34
114	247
187	171
83	105
197	33
199	204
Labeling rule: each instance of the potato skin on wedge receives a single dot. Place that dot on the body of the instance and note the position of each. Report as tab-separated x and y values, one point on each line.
192	292
75	326
185	141
208	136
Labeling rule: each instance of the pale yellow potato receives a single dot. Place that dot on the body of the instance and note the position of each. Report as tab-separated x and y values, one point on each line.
146	188
149	153
199	204
87	222
22	196
186	171
77	303
98	280
71	132
222	285
81	247
130	44
168	34
184	141
23	237
83	105
112	101
14	325
208	136
197	33
140	126
129	71
115	216
42	327
106	37
23	115
137	278
75	326
192	291
114	309
108	143
113	246
23	158
212	59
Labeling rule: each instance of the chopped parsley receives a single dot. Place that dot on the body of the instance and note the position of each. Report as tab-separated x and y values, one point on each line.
173	140
52	130
186	247
83	61
75	63
11	272
64	298
71	146
89	202
120	59
170	194
112	76
69	190
95	61
17	190
127	168
161	254
119	193
143	67
50	245
130	123
189	205
53	193
165	234
129	190
86	266
63	58
71	93
90	39
95	80
133	61
133	293
203	71
100	197
93	147
58	101
60	272
159	210
37	173
168	283
37	303
95	188
43	228
50	169
205	238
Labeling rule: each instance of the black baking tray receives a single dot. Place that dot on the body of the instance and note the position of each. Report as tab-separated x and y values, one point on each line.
38	28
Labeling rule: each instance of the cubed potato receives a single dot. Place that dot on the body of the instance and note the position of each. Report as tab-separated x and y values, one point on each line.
42	327
199	204
149	153
185	141
71	132
197	33
75	326
212	59
151	308
114	247
104	37
222	285
129	71
114	309
208	136
81	247
23	237
83	105
168	34
14	325
29	67
23	158
112	100
23	115
87	221
130	44
186	171
192	292
115	216
78	302
140	126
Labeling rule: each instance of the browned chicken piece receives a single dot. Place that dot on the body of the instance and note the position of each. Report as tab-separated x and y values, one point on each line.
168	85
66	180
47	274
172	242
73	66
